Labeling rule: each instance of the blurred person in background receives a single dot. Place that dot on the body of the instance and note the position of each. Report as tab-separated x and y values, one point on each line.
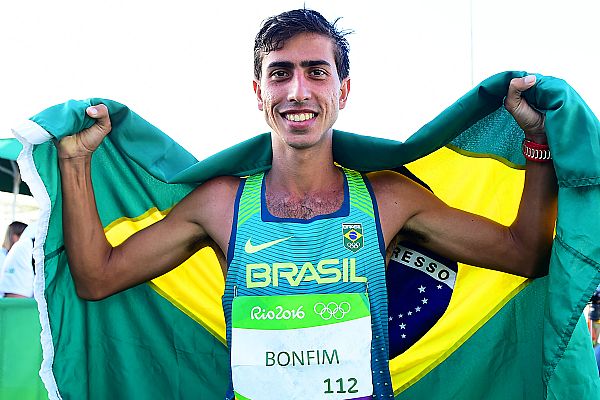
13	233
18	270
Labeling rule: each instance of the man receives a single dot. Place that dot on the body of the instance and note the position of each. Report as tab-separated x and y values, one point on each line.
275	228
16	270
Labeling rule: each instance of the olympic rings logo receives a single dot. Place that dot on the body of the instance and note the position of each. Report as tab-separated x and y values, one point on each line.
332	310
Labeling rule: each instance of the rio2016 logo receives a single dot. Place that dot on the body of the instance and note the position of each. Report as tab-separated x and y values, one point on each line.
332	310
278	313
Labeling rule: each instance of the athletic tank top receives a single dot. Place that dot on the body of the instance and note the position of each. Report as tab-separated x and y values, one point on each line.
325	256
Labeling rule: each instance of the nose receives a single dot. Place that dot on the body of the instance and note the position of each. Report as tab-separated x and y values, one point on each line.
299	89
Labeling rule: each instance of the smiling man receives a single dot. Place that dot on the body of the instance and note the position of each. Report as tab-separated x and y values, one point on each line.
305	242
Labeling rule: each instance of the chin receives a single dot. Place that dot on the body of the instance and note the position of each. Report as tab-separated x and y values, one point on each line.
303	141
301	138
300	145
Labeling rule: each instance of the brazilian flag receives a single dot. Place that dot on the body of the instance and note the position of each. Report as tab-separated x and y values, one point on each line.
485	335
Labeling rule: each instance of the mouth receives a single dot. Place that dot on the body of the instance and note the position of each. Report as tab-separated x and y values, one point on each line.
299	116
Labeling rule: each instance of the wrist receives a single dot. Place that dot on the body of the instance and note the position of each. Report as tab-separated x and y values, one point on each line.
537	137
536	151
73	149
67	162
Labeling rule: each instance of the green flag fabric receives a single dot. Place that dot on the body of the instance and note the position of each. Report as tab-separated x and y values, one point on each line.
20	350
501	336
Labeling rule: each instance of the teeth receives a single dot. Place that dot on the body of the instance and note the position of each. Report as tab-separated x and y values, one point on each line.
299	117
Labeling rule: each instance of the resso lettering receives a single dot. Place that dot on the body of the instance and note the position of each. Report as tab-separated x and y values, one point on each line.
413	259
326	271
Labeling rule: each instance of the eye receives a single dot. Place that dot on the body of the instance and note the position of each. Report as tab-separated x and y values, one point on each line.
279	74
318	73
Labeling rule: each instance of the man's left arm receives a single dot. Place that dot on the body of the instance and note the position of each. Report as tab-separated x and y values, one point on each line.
523	248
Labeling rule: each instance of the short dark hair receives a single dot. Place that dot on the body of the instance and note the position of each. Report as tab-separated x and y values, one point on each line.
15	228
279	28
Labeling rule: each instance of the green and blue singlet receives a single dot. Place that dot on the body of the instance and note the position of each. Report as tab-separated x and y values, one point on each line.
305	301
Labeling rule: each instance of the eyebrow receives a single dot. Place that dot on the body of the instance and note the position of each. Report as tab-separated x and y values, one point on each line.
304	64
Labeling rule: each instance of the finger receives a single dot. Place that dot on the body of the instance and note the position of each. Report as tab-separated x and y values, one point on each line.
523	83
100	113
516	87
97	111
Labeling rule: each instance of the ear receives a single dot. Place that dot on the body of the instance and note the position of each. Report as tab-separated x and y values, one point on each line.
256	85
345	91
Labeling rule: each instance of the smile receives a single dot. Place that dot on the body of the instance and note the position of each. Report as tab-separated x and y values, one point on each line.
299	117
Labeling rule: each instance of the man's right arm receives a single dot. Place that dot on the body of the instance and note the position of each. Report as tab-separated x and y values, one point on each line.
98	268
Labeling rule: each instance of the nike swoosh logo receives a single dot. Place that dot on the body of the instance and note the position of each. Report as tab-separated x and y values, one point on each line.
250	248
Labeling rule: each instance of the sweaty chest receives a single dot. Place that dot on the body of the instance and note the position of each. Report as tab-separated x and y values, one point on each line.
306	207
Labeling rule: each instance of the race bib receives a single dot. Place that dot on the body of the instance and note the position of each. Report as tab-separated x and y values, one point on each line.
301	347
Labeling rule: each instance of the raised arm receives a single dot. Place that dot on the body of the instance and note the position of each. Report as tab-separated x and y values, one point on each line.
523	248
98	269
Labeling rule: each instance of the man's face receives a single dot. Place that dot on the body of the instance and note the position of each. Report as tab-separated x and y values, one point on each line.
300	92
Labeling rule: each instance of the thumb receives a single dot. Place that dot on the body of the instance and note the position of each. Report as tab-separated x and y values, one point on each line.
515	90
100	114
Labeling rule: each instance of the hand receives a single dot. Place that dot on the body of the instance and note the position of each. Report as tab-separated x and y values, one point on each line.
84	143
530	120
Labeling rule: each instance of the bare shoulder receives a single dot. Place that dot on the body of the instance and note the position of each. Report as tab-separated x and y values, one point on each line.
213	197
389	185
219	187
210	206
398	199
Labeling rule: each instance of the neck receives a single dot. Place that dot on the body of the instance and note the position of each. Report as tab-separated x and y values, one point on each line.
300	172
304	183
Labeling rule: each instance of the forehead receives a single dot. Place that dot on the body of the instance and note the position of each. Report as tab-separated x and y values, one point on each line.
302	47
